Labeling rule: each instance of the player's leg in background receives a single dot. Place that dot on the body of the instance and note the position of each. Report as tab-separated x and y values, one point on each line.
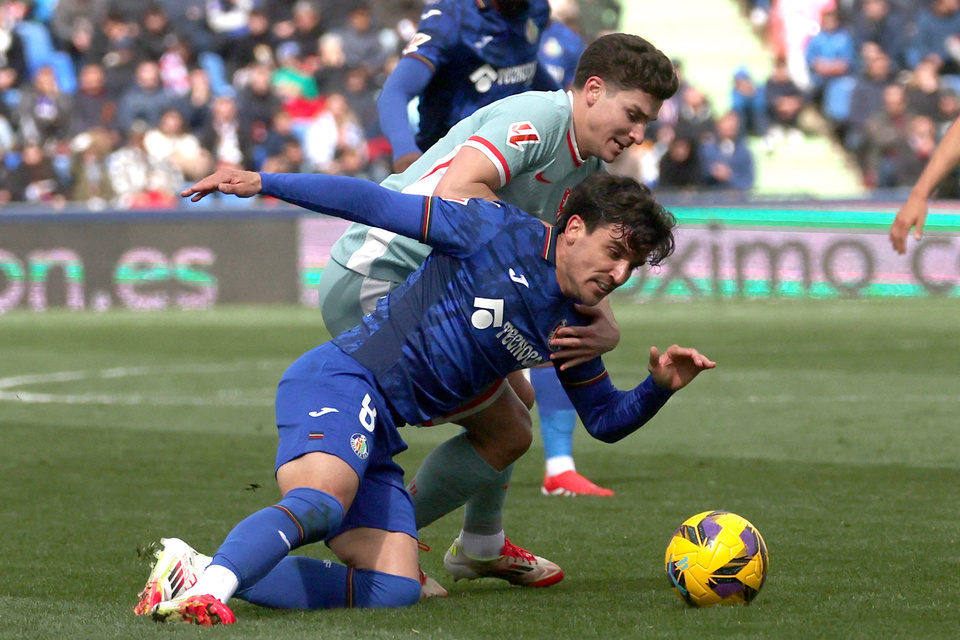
558	419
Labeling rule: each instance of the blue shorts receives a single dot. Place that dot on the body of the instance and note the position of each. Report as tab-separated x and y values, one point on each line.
327	402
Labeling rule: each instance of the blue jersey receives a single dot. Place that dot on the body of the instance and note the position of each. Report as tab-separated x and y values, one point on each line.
485	303
477	57
560	51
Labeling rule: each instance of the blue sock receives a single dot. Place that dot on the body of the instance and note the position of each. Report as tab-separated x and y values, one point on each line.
558	419
256	545
307	583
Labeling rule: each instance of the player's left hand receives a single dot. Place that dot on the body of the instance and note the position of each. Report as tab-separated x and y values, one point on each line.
677	367
584	343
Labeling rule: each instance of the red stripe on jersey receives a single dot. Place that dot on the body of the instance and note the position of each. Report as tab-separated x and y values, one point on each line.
466	407
496	153
427	212
442	165
584	383
573	149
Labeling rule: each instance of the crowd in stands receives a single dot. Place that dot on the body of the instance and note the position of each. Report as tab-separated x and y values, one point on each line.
882	75
123	102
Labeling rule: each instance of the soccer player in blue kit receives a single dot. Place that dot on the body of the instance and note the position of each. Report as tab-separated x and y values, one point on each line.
488	301
529	150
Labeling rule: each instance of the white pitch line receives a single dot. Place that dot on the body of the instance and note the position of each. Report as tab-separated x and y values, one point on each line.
10	390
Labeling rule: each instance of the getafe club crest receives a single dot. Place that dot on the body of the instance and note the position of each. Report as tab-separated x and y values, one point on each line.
553	334
358	442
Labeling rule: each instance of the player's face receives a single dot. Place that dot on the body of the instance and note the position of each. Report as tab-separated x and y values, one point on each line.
615	120
591	265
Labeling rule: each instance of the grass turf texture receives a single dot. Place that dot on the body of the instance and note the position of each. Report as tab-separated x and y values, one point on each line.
831	425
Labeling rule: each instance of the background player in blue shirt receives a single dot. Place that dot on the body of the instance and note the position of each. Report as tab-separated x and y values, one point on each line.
466	54
488	301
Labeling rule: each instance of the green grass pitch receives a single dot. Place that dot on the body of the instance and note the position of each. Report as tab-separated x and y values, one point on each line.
831	425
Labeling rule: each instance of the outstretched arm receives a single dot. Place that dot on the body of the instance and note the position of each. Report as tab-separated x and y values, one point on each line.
913	214
610	414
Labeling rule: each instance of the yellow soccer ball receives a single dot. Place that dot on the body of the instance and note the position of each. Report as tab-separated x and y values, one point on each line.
716	557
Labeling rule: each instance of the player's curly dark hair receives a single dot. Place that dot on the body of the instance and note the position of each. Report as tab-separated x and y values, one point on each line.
628	62
604	199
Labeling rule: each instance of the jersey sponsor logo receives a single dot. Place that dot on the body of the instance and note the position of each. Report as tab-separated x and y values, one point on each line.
485	76
522	133
540	177
489	313
519	278
324	411
517	346
417	41
358	443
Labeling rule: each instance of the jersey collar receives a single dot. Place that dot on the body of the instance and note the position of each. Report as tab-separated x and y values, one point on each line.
572	137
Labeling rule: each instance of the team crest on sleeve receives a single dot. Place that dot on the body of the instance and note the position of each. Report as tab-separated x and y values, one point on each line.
417	41
358	442
522	133
553	334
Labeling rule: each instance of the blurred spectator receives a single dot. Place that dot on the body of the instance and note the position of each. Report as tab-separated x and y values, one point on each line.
129	10
884	136
362	99
196	105
89	179
598	17
560	43
139	180
8	137
228	20
290	159
334	142
330	75
112	47
92	107
948	110
937	36
256	46
145	100
189	20
308	27
278	135
361	42
912	154
171	143
784	101
725	159
257	102
69	14
694	116
680	166
923	89
291	80
155	34
867	95
13	57
225	136
43	114
879	22
830	54
175	64
34	180
749	101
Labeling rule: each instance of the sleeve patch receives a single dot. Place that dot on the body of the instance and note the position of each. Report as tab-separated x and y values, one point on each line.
522	133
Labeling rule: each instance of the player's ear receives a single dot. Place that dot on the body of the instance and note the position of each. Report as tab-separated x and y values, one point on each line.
593	89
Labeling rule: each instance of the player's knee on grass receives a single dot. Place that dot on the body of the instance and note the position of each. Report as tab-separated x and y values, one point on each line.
502	432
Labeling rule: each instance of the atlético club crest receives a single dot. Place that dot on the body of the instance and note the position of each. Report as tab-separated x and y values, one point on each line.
521	133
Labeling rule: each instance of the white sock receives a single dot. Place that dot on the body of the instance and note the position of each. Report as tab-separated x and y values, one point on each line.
217	581
482	547
560	464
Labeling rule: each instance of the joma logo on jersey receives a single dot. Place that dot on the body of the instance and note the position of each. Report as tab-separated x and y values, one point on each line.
525	353
521	133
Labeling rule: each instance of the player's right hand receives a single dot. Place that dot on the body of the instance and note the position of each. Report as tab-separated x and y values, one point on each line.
913	214
242	184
